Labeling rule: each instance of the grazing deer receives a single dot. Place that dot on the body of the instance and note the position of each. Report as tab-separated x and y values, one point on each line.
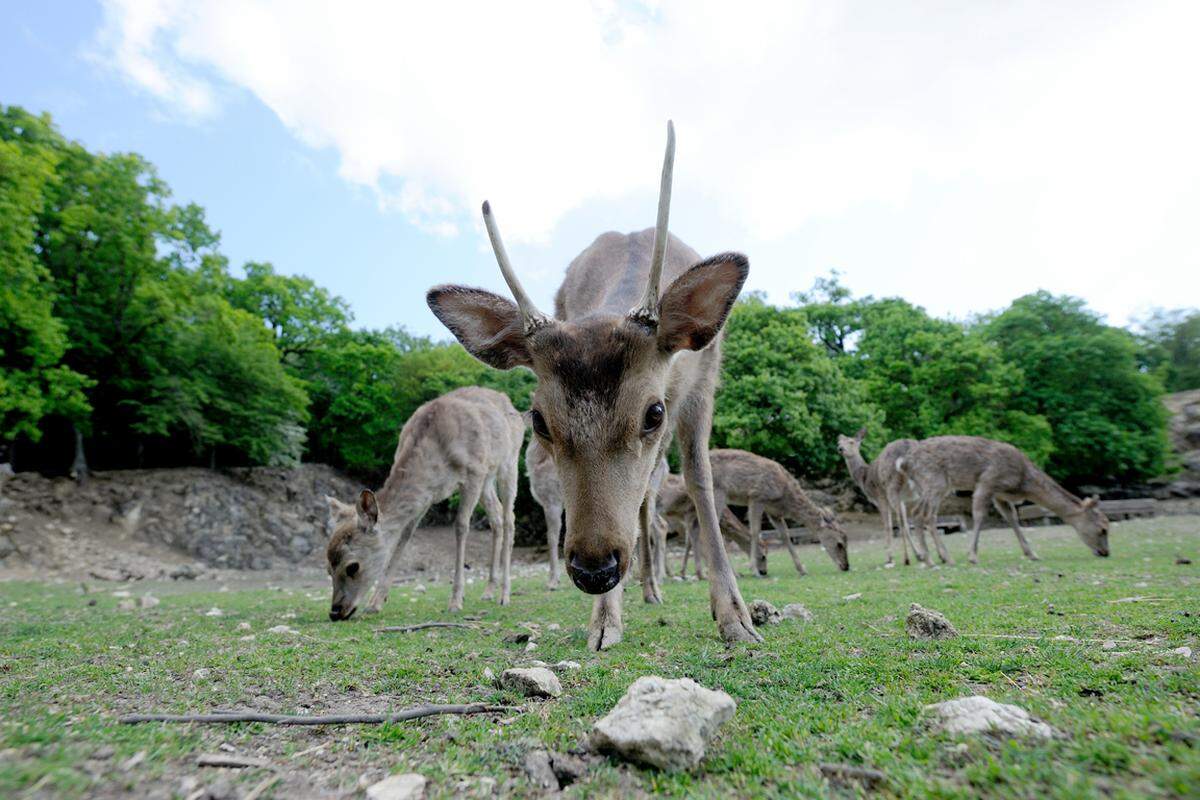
619	367
466	440
764	486
546	489
883	486
993	471
679	514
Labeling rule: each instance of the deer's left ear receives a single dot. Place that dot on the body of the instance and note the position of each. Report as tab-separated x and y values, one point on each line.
695	306
368	509
1091	502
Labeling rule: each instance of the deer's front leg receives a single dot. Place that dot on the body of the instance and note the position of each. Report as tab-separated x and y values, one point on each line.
379	594
605	627
729	610
650	589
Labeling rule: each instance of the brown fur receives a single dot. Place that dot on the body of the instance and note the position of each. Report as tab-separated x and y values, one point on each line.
993	471
466	440
884	486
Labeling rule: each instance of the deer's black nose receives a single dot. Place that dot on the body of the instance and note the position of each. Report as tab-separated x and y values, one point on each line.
339	612
595	576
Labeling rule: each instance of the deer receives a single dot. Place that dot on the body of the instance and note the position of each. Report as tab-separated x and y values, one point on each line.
993	471
677	513
620	367
766	487
547	490
885	487
468	440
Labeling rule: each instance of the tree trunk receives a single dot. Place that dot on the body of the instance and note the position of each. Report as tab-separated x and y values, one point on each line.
79	468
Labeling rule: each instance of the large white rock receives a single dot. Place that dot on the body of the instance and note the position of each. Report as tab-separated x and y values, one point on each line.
409	786
978	714
664	723
531	682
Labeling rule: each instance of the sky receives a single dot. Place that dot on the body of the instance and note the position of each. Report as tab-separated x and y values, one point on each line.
958	155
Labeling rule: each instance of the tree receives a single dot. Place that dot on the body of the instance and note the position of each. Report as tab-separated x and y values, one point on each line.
33	381
781	396
1083	377
1171	347
300	313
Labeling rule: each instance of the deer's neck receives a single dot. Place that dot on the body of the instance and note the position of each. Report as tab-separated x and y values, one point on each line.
1046	492
858	469
406	493
801	507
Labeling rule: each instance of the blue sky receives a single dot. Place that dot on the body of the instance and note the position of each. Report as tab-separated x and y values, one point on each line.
957	157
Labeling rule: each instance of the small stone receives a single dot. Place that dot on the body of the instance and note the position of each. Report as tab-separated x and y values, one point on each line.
978	714
553	626
214	612
1108	644
530	646
283	629
797	611
1183	652
122	593
488	675
127	605
409	786
148	601
667	724
420	587
763	613
202	674
532	682
566	666
133	760
539	770
243	626
1182	561
925	623
854	596
520	637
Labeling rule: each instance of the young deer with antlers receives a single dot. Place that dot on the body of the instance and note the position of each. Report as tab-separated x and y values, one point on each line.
618	367
993	471
466	440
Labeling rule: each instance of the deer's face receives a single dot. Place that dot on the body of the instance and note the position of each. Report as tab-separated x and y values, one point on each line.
600	407
354	555
850	445
1092	526
833	539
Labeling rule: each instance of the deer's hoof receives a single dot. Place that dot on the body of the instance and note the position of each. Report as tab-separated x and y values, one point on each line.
455	605
974	559
489	593
652	595
604	637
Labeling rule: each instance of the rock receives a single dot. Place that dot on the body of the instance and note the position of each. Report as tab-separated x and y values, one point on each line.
520	637
1184	652
566	666
202	674
488	675
127	605
664	723
978	714
243	626
532	682
539	770
1182	561
797	611
408	786
854	596
763	613
848	774
283	629
148	601
184	572
553	626
1108	644
214	612
925	623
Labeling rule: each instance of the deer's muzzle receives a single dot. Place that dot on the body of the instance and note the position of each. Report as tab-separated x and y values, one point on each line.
595	576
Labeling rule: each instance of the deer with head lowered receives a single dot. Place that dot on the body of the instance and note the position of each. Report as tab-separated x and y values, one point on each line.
884	486
678	513
466	440
619	367
993	471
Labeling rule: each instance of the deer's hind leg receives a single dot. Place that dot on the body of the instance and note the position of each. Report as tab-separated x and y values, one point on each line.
981	498
758	559
506	484
468	498
554	512
885	513
782	529
650	589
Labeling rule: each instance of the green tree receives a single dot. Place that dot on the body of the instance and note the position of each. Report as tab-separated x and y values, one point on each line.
1083	377
33	381
300	313
781	396
1171	347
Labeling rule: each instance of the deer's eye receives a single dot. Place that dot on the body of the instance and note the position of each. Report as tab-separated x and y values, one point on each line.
539	424
654	417
352	569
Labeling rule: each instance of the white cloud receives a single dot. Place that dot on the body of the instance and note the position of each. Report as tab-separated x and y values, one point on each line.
1055	141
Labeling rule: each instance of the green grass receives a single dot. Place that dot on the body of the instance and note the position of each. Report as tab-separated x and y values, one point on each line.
846	688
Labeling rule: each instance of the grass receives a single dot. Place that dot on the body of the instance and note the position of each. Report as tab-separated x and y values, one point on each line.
848	687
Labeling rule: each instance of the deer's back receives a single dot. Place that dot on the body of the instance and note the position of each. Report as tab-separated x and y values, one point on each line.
610	274
468	430
883	469
744	475
960	461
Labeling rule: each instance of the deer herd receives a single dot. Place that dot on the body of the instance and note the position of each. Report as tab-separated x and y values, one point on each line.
625	367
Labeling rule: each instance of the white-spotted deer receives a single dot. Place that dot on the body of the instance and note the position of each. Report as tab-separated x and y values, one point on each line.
467	441
619	366
993	471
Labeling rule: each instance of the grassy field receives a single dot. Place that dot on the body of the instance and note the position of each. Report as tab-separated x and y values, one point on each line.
848	687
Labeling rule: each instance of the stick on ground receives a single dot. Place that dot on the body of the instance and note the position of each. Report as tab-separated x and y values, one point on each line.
421	626
329	719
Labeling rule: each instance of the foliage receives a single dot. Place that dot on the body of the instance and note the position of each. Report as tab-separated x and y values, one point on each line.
1170	342
780	396
1083	377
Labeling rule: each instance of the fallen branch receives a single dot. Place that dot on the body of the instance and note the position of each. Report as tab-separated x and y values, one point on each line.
229	760
421	626
329	719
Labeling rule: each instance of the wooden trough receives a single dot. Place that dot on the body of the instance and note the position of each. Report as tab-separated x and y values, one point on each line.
1113	509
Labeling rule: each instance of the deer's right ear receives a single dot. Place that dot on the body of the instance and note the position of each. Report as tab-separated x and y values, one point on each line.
862	434
338	509
695	306
486	324
367	508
